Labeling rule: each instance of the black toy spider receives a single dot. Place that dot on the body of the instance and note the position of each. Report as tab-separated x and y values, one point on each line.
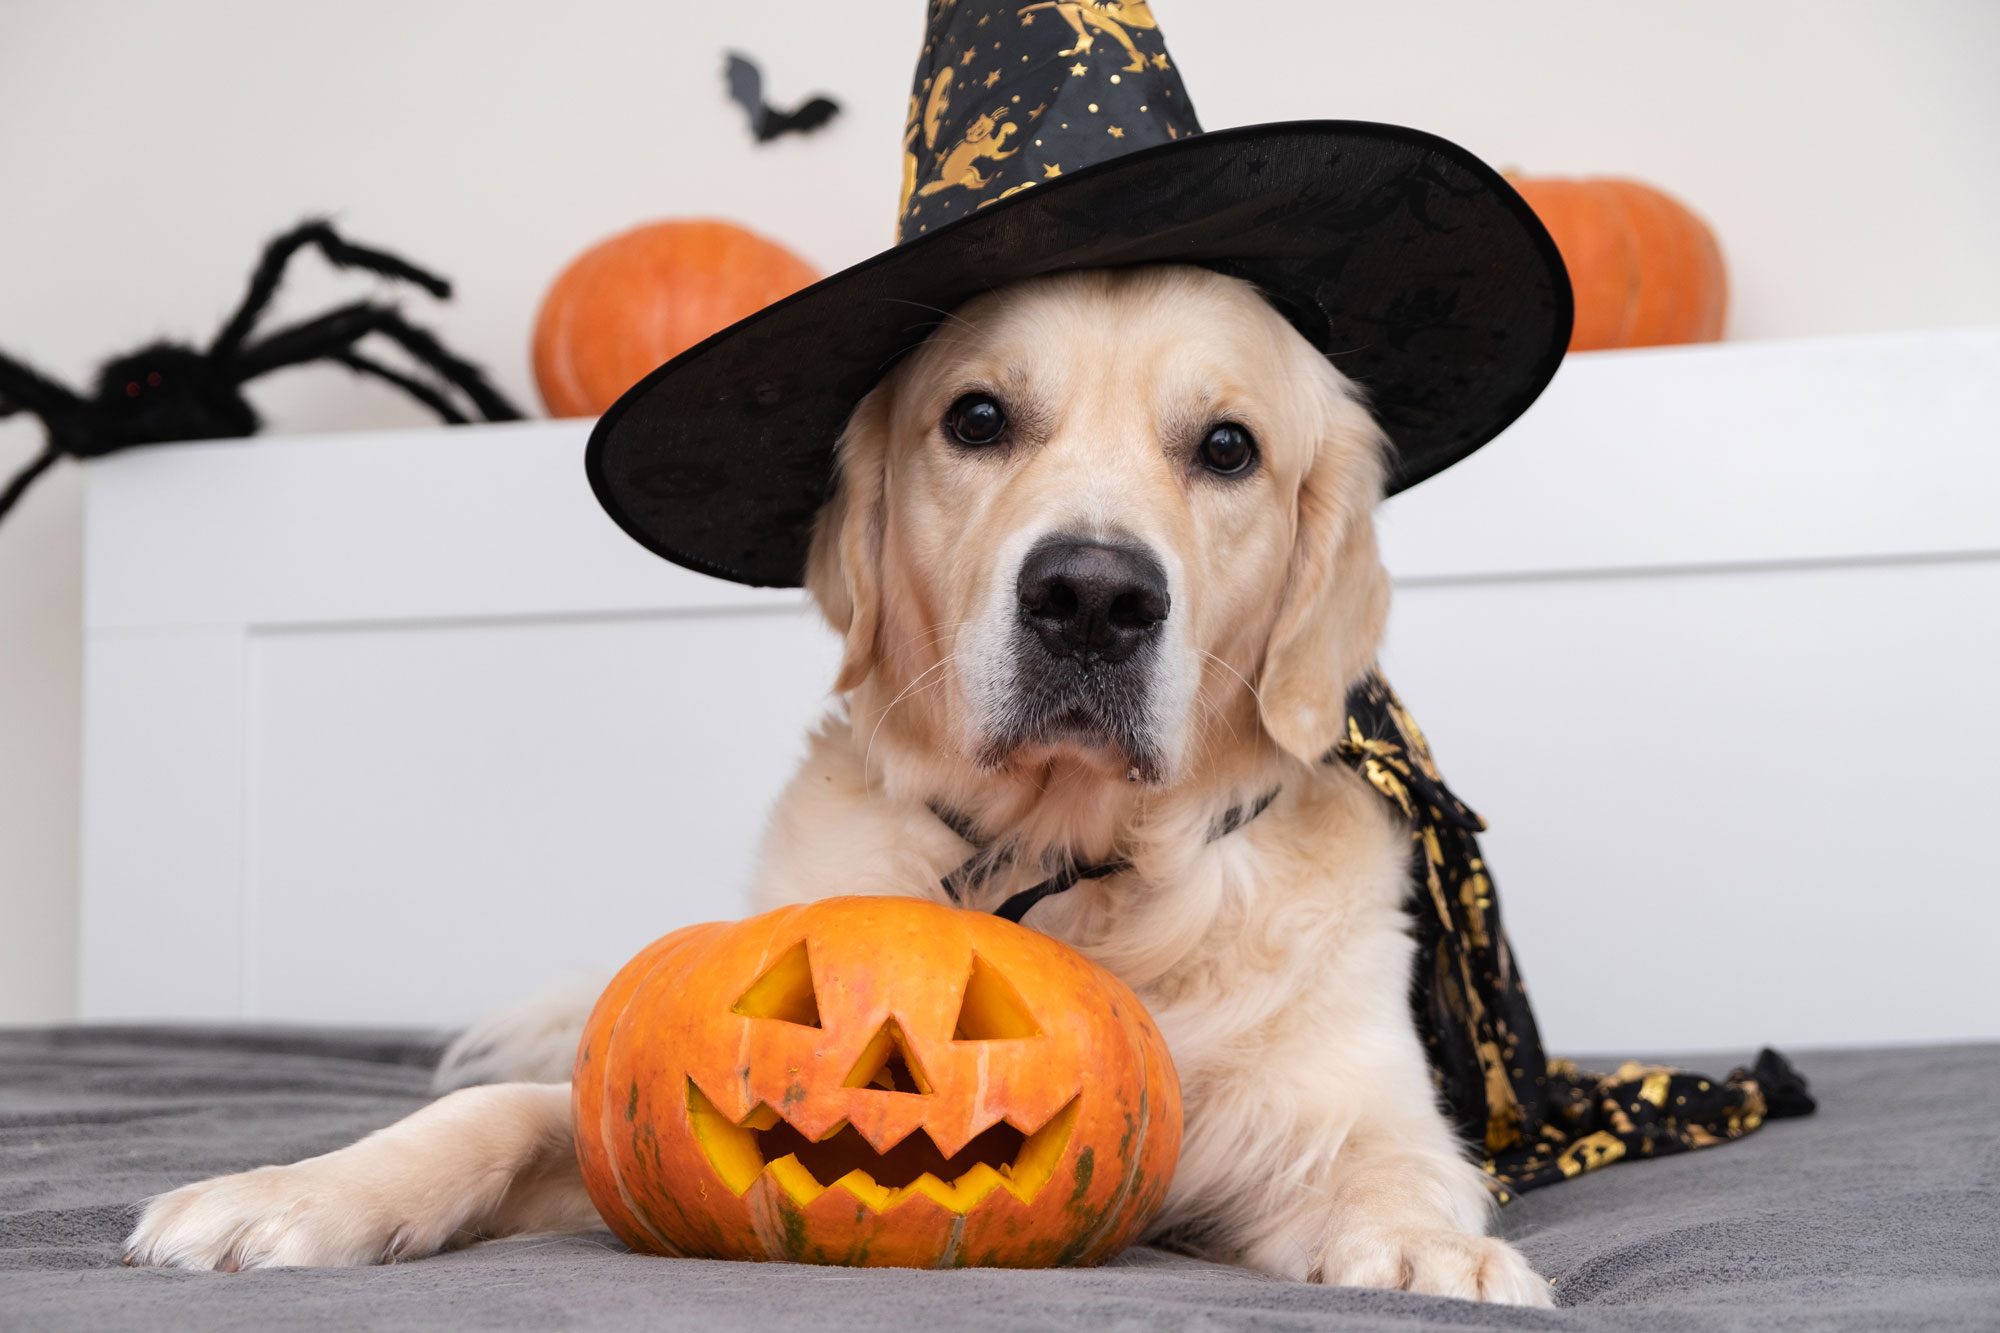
169	391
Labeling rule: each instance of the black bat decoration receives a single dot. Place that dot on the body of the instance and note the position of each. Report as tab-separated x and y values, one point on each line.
746	88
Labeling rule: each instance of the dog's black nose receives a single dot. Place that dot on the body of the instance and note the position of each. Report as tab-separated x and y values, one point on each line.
1092	600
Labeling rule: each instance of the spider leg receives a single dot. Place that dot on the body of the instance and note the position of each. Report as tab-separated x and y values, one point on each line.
339	252
333	334
409	384
25	478
24	389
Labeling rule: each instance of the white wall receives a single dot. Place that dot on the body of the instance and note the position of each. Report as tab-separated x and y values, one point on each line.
1840	148
41	665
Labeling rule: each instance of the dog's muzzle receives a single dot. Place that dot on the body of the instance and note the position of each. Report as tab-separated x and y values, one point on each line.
1090	616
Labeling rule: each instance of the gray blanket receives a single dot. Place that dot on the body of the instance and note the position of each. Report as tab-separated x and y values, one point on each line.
1882	1212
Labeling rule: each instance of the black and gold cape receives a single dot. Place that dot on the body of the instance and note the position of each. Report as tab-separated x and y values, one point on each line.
1535	1120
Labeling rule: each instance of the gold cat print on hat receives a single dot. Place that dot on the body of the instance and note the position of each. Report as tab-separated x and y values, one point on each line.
985	141
1109	17
1008	102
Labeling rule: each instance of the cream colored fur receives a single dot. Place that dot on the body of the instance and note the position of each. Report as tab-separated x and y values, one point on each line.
1275	959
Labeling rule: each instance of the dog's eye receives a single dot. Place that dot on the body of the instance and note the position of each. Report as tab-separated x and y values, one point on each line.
1227	449
976	419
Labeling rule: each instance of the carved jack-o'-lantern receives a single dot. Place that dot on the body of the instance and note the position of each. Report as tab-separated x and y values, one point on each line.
874	1081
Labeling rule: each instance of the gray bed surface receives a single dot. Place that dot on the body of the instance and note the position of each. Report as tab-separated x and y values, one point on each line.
1882	1212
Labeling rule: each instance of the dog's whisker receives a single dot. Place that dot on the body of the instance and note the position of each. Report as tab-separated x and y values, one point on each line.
918	642
868	754
1234	672
1204	733
948	316
1214	711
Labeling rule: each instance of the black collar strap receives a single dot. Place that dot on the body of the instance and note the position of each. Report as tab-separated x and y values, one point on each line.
1399	769
988	858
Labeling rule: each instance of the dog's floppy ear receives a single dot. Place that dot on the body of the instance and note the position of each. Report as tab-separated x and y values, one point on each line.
844	565
1336	598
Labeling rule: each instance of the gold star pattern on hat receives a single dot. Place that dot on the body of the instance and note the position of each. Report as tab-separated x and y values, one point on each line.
968	149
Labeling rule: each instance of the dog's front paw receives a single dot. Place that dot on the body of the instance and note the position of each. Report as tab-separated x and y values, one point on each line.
274	1217
1433	1261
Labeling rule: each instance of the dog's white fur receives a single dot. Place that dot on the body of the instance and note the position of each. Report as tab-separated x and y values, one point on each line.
1276	959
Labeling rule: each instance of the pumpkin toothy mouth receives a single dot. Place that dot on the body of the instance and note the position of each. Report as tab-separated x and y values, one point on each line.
765	1144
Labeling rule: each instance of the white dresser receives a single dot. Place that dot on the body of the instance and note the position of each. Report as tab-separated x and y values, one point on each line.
393	728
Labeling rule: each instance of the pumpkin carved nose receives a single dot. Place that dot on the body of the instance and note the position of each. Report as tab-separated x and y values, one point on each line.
887	1065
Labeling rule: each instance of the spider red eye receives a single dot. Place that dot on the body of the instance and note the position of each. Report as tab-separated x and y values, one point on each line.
131	388
155	379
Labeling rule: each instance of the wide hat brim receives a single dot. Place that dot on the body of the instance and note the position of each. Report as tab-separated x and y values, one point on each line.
1405	259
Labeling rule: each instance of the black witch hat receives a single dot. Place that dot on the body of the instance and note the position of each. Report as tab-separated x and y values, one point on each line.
1052	136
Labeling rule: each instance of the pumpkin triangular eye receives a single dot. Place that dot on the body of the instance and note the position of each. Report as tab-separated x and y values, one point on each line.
992	1009
784	992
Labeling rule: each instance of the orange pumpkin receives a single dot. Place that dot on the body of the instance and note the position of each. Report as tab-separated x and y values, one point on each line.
874	1081
627	304
1646	270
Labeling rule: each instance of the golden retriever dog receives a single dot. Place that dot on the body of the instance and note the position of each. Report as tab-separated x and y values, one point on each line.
1103	561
